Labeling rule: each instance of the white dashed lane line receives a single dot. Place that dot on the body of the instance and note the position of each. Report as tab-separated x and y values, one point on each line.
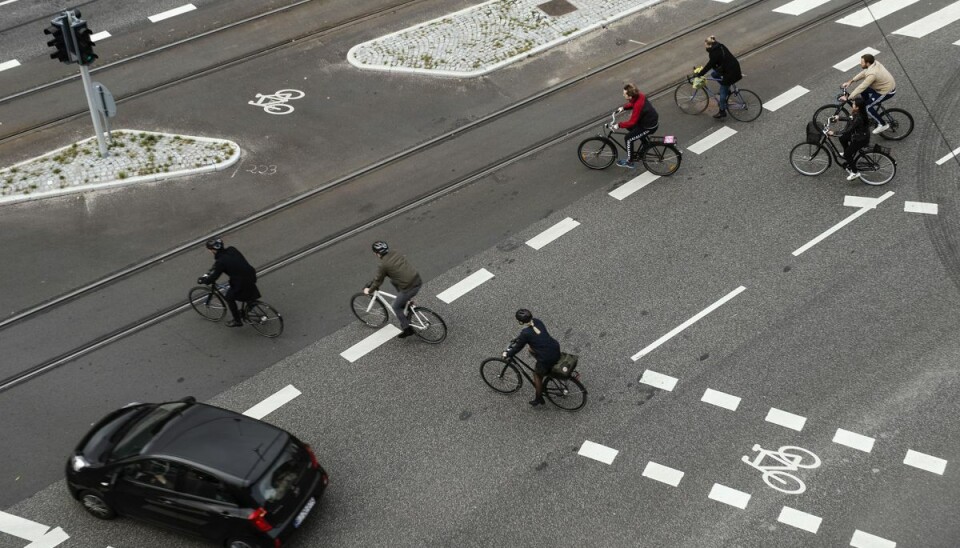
102	35
9	65
712	140
785	98
369	344
172	13
920	207
663	474
838	226
800	520
854	440
658	380
798	7
874	12
465	285
785	419
729	495
926	462
935	21
598	452
721	399
854	60
955	153
866	540
552	233
633	185
274	402
860	202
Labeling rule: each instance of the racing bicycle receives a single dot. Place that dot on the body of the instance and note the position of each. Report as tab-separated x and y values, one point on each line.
376	308
208	301
504	376
743	104
837	115
659	155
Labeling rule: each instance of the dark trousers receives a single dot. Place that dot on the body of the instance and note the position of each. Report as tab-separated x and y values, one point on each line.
636	134
231	297
851	150
403	297
873	99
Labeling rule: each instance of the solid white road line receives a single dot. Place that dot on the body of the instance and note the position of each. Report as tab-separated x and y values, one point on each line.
935	21
785	98
171	13
953	154
925	462
658	380
598	452
920	207
785	419
860	201
721	399
854	440
633	185
274	402
673	332
465	285
712	140
728	495
102	35
866	540
21	527
854	60
874	12
663	474
800	6
800	520
838	226
552	233
364	347
5	2
9	64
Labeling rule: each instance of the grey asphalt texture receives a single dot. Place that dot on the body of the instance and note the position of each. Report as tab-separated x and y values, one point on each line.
854	334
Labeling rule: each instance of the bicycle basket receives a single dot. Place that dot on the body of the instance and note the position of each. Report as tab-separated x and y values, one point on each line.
814	133
565	366
881	150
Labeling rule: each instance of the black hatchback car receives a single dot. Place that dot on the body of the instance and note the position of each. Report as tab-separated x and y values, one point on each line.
197	469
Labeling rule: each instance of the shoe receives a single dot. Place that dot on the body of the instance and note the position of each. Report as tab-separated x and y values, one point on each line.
537	401
881	128
627	164
721	114
406	333
234	323
853	175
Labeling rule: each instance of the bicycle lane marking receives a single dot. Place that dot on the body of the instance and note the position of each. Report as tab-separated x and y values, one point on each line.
663	474
39	535
370	343
785	419
785	98
729	495
875	12
854	440
659	380
954	154
171	13
552	233
839	225
800	520
798	7
9	65
866	540
633	185
712	140
926	462
282	397
721	399
673	332
598	452
933	22
920	207
465	285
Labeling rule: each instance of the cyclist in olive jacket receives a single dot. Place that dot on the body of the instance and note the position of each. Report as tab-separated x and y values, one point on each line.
243	277
404	277
544	347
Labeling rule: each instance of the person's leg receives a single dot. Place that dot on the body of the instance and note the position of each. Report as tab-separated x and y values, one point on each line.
630	141
538	389
724	96
872	99
403	297
230	297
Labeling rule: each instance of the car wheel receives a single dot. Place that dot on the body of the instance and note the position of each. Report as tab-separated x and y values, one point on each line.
94	504
242	543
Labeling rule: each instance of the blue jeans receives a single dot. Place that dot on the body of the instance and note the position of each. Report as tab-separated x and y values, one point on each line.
724	92
873	99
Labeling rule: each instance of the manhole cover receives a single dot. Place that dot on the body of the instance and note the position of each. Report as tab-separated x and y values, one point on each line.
557	7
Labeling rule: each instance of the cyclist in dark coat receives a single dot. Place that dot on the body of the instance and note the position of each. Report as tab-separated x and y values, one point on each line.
243	277
544	347
725	66
855	137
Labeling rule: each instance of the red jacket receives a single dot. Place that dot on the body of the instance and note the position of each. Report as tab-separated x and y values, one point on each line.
635	107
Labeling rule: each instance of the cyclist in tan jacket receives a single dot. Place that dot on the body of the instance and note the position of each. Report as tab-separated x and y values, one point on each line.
878	85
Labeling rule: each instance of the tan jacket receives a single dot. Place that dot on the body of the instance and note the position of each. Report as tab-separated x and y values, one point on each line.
875	76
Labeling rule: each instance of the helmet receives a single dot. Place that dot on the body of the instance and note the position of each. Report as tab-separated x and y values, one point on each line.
524	315
380	247
215	244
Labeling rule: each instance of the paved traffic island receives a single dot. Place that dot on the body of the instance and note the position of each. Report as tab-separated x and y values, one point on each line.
485	37
135	157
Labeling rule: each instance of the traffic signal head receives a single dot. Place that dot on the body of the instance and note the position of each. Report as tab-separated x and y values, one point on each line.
85	54
57	30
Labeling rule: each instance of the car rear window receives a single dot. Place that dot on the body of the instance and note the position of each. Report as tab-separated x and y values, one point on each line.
142	431
283	476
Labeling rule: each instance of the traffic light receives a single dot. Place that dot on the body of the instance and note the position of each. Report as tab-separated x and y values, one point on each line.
57	29
85	54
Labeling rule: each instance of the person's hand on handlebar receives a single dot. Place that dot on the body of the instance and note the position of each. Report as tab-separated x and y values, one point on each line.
614	126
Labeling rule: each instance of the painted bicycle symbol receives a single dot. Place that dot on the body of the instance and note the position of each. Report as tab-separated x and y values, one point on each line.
276	103
791	459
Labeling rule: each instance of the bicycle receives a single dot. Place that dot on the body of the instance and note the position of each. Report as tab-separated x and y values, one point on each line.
373	309
659	155
209	302
875	165
743	104
791	460
504	376
899	120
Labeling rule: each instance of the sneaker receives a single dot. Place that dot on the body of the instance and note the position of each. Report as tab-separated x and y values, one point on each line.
627	164
234	323
405	333
853	175
721	114
881	128
537	401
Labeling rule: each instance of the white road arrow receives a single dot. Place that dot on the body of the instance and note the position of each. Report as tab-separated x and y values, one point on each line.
39	535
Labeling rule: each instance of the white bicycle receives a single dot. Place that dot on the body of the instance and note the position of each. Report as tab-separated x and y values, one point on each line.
791	459
375	309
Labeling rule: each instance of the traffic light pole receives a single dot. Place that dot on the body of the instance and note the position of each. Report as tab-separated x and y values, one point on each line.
88	90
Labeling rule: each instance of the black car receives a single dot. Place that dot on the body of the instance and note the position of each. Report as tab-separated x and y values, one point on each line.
197	469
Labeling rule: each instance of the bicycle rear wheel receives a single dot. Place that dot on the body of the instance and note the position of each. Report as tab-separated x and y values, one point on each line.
568	394
901	124
368	310
810	159
876	168
265	319
428	325
501	375
207	303
823	114
744	105
597	153
690	99
661	159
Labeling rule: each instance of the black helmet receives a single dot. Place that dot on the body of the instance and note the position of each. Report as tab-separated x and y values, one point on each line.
216	244
380	247
524	315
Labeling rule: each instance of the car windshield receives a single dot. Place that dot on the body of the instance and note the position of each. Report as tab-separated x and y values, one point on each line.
283	476
143	430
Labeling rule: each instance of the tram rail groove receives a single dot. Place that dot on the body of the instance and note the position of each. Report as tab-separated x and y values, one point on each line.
156	317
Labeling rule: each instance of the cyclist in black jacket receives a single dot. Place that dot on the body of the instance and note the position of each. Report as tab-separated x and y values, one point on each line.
544	347
243	277
855	137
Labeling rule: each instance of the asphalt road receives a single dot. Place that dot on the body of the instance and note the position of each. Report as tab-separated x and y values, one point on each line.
852	334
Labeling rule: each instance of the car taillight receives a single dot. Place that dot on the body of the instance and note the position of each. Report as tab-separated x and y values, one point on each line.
313	458
258	518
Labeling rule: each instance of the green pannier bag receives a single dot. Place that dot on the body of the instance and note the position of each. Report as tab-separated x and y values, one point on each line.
564	368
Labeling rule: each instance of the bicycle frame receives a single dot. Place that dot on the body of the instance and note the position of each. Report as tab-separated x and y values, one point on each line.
645	141
785	465
710	93
416	319
222	288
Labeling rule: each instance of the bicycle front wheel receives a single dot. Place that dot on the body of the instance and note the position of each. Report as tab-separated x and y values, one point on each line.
690	99
207	303
822	117
876	168
428	325
501	375
744	105
900	122
368	310
597	153
265	319
661	159
567	394
810	159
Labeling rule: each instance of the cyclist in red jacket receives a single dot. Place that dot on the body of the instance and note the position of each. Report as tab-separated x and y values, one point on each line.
643	121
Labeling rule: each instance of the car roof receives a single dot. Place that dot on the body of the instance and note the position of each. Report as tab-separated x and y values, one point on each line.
232	444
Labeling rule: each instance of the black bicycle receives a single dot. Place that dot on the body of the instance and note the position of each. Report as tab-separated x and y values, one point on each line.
899	120
814	156
659	155
504	376
208	301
